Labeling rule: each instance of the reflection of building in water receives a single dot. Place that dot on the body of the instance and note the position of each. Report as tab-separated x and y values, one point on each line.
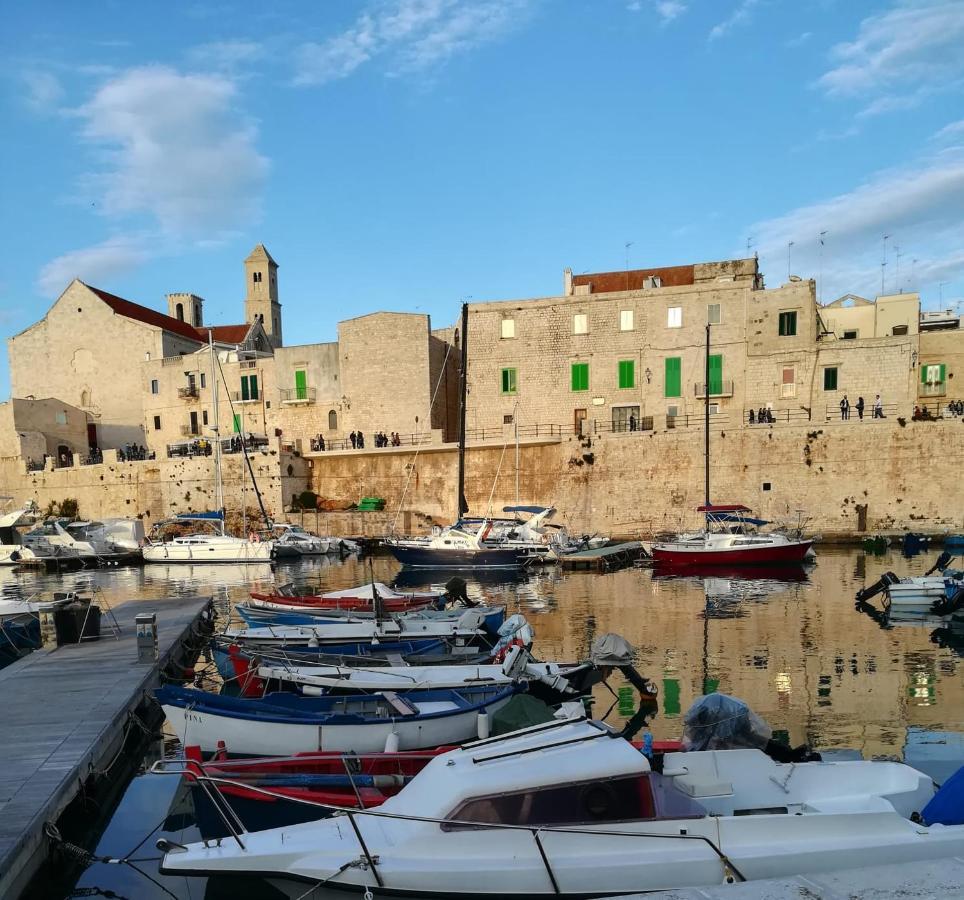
804	658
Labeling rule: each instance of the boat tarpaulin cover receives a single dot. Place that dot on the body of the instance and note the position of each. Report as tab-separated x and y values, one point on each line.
611	650
213	514
721	722
733	517
947	805
522	711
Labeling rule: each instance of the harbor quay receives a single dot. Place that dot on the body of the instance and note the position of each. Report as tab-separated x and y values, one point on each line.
847	413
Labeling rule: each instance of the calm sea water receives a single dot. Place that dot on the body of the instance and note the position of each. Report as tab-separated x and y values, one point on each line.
790	644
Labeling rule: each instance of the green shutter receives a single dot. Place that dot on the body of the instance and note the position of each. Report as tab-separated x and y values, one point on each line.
671	703
301	385
508	381
627	373
830	378
580	376
244	388
673	380
943	369
254	386
716	375
237	423
923	374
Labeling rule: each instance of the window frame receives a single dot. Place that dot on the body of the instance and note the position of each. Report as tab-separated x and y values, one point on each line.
582	318
155	386
509	374
632	319
787	323
836	377
719	313
678	377
850	334
157	423
678	310
623	367
582	368
510	321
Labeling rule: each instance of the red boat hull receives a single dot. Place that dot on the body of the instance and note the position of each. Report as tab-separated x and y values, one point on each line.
351	604
781	554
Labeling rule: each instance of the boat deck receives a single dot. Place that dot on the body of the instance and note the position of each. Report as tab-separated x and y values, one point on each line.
65	715
612	557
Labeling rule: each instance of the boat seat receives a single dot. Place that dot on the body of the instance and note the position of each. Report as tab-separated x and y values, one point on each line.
696	786
402	706
396	659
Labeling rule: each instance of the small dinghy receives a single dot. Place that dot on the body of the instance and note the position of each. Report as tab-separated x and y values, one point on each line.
257	614
571	809
354	599
939	591
283	724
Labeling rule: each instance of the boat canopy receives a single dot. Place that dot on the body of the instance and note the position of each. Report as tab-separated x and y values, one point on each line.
733	517
534	510
206	516
714	508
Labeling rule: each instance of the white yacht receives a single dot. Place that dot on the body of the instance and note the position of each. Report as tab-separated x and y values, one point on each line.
207	542
293	541
572	809
13	551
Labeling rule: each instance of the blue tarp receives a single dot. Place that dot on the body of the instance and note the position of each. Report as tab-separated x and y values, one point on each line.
213	514
535	510
947	805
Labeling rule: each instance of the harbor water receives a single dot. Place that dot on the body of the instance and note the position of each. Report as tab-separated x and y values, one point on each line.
790	643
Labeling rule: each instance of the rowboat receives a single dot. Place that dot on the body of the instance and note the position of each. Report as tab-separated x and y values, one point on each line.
570	809
283	724
352	599
256	614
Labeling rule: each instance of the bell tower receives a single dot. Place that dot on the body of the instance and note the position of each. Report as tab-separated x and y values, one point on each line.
261	297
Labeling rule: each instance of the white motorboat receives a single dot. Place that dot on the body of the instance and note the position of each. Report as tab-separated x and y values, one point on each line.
917	592
571	809
53	535
294	541
208	544
13	551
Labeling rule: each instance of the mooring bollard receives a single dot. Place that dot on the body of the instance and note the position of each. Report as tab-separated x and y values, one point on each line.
146	626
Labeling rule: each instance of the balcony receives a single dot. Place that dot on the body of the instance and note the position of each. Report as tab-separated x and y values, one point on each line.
188	392
188	431
298	396
932	389
238	398
721	389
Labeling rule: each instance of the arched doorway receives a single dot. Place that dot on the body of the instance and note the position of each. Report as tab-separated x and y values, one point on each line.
332	420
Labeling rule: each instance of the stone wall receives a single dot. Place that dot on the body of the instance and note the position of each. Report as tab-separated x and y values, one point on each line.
31	428
645	482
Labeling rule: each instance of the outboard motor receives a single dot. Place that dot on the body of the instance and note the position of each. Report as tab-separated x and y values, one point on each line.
943	561
886	580
613	651
455	591
947	606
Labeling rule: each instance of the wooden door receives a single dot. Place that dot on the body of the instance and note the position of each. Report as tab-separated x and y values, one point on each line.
579	416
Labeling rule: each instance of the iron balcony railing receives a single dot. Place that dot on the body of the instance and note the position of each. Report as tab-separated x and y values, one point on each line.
188	392
298	395
719	389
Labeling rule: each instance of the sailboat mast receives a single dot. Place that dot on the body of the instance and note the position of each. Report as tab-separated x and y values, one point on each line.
706	422
463	507
218	488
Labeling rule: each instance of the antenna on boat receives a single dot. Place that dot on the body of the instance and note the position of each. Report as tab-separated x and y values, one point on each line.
463	507
706	437
218	487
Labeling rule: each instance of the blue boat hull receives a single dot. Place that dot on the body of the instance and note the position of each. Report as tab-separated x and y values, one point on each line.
493	620
434	558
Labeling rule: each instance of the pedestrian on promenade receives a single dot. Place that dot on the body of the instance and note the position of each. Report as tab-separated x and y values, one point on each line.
860	408
354	440
632	422
878	408
752	417
844	408
361	441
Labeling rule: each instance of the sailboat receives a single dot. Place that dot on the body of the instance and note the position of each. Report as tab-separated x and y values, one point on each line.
468	544
729	536
208	542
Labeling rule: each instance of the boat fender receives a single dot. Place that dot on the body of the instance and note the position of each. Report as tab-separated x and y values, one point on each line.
482	726
391	743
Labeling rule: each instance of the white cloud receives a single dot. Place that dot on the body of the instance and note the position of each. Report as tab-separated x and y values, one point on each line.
175	149
412	35
43	91
918	206
739	16
800	39
227	55
670	9
113	257
917	42
951	131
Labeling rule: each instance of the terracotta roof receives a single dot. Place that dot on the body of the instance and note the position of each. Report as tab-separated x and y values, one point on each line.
632	280
224	334
148	316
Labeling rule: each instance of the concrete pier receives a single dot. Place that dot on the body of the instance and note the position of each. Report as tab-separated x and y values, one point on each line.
64	715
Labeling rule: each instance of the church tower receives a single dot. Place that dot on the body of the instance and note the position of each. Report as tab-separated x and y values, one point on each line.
261	299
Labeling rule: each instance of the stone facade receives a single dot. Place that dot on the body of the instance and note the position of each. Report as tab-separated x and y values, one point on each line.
33	429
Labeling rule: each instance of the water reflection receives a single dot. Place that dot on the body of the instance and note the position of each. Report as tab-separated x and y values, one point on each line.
790	644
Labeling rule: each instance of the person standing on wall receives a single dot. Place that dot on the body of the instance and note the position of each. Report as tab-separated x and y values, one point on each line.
844	409
860	408
878	408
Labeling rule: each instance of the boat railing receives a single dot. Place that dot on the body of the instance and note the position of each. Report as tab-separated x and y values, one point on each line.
210	784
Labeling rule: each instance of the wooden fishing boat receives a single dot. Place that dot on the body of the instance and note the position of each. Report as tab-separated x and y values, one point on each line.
356	599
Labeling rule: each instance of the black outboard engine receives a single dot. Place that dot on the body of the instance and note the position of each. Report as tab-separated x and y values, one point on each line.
887	579
943	561
612	651
948	606
455	590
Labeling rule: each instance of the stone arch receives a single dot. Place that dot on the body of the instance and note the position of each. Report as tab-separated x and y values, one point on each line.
179	312
85	398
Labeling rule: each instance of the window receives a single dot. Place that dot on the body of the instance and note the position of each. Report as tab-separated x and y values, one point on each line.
332	420
713	314
194	425
508	329
301	384
899	329
788	389
249	387
507	420
204	382
157	423
155	386
788	323
61	417
672	381
674	317
580	376
933	374
850	335
627	373
508	381
625	418
179	312
204	417
830	378
716	374
256	277
714	408
580	324
625	320
672	411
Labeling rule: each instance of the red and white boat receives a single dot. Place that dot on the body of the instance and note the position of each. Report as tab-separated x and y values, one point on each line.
731	539
356	599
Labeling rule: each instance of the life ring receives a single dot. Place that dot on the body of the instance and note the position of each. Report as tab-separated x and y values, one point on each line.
504	652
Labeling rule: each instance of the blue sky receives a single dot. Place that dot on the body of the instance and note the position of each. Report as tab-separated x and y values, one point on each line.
405	154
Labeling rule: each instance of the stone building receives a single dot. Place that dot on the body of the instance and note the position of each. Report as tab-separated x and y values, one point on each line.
34	429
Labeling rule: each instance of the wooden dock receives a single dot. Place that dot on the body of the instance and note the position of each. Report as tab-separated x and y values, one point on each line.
614	556
64	715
